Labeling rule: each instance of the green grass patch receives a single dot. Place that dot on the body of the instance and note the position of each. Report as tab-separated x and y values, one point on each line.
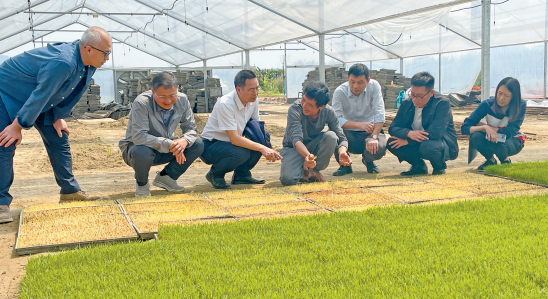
473	249
526	171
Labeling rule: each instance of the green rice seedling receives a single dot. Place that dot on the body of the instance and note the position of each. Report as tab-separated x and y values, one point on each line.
525	171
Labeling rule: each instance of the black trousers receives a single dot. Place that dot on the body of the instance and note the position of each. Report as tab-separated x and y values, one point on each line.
142	157
416	153
226	157
356	145
502	150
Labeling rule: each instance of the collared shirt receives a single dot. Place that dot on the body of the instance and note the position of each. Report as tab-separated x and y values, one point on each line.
366	107
146	126
417	120
47	80
165	114
301	128
229	114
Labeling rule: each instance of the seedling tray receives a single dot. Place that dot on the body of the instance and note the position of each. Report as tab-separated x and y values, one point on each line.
125	233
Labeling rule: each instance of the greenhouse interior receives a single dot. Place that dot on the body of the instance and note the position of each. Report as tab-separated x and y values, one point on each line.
453	40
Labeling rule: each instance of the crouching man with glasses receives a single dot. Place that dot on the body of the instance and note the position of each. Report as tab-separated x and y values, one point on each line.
150	135
225	147
423	128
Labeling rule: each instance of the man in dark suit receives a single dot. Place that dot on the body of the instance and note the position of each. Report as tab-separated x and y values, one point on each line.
423	128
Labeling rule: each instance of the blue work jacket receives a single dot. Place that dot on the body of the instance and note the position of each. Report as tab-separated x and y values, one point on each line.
45	80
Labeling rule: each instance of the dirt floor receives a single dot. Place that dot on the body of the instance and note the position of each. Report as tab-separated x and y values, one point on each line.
100	170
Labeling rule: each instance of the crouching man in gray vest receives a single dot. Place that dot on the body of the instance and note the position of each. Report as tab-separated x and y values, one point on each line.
150	135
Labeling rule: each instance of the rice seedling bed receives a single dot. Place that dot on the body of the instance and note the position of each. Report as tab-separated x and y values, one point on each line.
507	187
406	188
74	204
64	233
45	216
243	193
186	205
436	194
309	187
272	208
348	197
389	182
176	197
457	180
256	200
517	193
283	215
198	221
147	224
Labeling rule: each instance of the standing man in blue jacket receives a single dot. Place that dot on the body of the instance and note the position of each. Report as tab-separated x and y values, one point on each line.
39	88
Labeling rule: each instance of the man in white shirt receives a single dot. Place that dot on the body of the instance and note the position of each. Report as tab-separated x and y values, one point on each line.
360	108
225	148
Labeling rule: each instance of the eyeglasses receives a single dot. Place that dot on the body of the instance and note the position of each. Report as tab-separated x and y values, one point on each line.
414	96
107	53
254	90
171	96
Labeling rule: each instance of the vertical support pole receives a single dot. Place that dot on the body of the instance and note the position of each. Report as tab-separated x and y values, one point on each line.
285	70
439	59
114	79
243	61
247	62
401	66
205	86
545	50
485	49
370	64
322	58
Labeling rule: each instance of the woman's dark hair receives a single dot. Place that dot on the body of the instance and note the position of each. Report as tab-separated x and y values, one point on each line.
514	107
318	92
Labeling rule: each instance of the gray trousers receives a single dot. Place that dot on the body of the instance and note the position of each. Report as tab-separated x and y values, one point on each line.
322	147
356	145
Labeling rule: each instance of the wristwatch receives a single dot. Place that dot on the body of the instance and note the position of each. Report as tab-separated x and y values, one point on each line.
376	137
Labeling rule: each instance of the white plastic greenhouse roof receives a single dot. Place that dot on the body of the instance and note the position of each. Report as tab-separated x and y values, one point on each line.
186	31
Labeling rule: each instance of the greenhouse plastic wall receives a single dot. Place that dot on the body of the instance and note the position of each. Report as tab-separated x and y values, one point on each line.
295	79
523	62
459	71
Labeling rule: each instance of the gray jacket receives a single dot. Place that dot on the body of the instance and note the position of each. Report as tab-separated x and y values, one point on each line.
145	125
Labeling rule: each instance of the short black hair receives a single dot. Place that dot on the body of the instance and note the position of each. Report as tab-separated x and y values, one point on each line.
242	76
423	79
359	69
164	79
318	92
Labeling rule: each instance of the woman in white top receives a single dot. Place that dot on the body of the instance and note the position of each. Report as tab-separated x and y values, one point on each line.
494	127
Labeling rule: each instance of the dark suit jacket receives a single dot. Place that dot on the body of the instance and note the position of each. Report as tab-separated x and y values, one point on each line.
437	120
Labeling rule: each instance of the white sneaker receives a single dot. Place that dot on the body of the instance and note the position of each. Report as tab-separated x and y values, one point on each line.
164	181
142	191
5	214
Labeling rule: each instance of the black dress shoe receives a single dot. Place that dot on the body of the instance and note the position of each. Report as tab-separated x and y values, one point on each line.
486	163
343	170
507	161
371	167
246	180
416	170
218	183
438	171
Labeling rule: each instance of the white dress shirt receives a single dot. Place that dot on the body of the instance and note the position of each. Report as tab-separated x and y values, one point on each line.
229	114
366	107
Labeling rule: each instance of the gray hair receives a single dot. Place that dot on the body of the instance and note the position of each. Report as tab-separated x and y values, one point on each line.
164	79
93	36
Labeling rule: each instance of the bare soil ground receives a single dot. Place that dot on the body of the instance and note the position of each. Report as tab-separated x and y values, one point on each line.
100	170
